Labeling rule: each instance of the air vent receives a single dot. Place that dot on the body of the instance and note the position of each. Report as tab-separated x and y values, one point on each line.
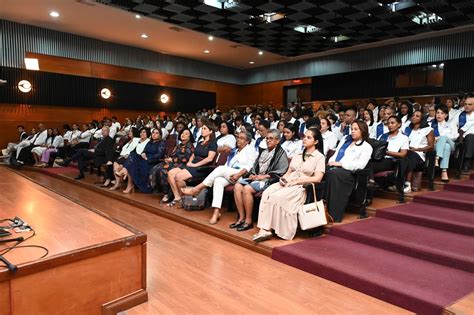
86	2
176	29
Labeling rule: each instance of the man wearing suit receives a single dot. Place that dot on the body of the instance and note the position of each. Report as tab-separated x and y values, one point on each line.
102	153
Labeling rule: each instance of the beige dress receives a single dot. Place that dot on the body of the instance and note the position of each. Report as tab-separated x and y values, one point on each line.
279	205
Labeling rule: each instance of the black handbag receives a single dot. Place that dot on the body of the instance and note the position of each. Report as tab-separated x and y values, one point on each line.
379	149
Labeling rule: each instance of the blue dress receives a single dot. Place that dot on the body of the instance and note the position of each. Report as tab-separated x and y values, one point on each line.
139	169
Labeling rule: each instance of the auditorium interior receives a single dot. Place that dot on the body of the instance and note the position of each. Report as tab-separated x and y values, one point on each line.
195	157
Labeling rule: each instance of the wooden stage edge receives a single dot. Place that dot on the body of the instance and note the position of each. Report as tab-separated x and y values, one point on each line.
261	248
92	268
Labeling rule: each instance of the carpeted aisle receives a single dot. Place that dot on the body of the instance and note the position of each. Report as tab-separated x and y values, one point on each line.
419	255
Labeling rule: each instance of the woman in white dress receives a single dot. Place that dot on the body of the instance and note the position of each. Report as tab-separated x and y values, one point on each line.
329	137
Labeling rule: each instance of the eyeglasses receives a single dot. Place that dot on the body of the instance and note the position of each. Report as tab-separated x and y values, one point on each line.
270	138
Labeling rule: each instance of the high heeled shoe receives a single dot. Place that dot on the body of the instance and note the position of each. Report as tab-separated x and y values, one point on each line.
215	218
174	203
116	186
106	183
129	190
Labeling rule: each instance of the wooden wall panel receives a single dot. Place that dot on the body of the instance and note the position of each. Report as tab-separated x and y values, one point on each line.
5	297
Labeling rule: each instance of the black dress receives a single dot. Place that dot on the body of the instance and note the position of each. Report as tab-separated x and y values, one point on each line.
200	153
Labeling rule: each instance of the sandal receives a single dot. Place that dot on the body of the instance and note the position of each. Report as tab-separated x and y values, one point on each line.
174	202
165	199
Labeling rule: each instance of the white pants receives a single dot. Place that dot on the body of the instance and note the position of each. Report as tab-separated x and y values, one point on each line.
218	179
20	146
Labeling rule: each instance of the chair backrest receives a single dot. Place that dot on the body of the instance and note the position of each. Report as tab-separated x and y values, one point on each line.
170	145
329	154
221	159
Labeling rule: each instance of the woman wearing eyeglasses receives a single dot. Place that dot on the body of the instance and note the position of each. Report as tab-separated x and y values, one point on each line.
270	165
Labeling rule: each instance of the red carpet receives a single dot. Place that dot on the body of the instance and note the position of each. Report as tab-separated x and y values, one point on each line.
419	256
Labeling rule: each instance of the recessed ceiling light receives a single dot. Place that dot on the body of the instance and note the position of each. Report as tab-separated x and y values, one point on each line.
54	14
251	62
260	52
206	51
211	37
441	65
32	63
434	66
138	16
144	36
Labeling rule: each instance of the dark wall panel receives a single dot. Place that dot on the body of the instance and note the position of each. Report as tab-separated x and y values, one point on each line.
76	91
458	76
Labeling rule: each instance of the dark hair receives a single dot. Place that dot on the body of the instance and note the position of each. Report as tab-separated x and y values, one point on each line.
135	132
423	122
148	131
364	129
293	128
67	127
371	115
327	122
313	122
410	109
307	112
210	125
159	131
230	128
398	119
317	136
265	124
444	109
332	116
191	136
238	118
20	126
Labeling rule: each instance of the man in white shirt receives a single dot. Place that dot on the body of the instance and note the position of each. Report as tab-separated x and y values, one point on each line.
239	162
24	155
345	128
115	125
465	123
13	145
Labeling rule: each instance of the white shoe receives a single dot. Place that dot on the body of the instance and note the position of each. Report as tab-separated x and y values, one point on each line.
392	188
407	188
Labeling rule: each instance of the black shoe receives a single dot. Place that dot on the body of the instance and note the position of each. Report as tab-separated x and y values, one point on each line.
236	224
64	163
372	185
80	176
245	226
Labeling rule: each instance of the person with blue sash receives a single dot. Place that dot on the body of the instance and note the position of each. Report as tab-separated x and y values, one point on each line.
381	128
397	150
353	153
345	127
466	130
445	134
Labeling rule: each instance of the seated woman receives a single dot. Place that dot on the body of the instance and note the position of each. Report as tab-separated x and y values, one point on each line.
176	160
445	134
239	162
138	166
329	138
281	201
421	140
292	143
269	166
226	140
397	149
57	142
353	153
203	155
38	151
134	139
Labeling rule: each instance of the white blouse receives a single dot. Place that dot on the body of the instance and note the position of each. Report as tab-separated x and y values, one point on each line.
397	143
448	129
58	142
228	141
355	157
129	147
292	148
141	146
329	141
418	139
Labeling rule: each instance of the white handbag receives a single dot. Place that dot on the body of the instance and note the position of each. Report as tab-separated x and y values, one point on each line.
313	214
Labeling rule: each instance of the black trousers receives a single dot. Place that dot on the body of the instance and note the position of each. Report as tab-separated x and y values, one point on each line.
82	156
26	156
381	166
468	151
339	186
415	162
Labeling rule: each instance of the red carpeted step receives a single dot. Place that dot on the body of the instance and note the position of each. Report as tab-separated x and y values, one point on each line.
441	247
415	284
452	199
447	219
466	186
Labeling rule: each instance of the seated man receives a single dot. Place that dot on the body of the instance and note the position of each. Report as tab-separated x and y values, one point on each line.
239	162
12	145
102	153
465	123
24	155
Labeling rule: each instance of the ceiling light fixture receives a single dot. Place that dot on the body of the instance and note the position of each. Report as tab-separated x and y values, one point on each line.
24	86
221	4
138	16
164	98
105	93
251	62
211	38
144	36
206	51
54	14
441	65
32	64
260	52
307	29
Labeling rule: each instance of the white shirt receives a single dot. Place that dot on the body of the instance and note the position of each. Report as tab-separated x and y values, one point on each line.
228	141
98	134
292	120
397	143
67	135
129	147
262	144
41	138
329	141
454	114
115	126
112	132
86	135
141	146
274	125
373	130
75	134
164	133
418	139
468	127
448	129
292	148
355	157
340	134
244	158
169	126
58	141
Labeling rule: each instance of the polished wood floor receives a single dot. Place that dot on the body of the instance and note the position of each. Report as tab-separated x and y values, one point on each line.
192	272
